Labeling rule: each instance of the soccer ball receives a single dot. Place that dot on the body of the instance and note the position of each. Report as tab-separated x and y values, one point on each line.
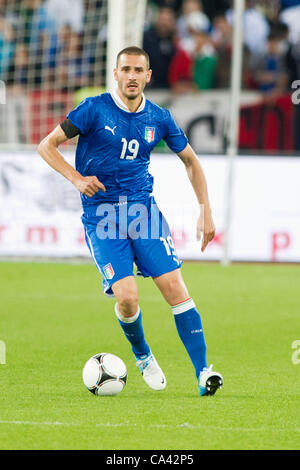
104	374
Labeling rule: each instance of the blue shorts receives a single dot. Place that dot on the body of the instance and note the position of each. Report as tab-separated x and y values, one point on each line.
122	234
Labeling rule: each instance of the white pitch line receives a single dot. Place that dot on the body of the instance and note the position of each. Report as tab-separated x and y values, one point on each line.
35	423
155	426
73	297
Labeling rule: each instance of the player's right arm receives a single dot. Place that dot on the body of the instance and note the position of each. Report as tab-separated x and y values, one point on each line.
48	149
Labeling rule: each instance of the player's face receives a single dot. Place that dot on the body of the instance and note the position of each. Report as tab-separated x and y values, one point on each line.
132	75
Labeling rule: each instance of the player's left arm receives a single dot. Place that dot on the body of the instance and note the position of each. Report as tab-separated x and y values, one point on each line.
205	223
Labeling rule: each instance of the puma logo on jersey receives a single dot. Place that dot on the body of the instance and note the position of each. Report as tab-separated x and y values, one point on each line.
112	130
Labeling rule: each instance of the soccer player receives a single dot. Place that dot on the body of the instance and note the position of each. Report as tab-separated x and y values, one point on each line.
117	132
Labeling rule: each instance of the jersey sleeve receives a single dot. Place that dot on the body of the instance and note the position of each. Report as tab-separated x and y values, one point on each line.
174	135
82	116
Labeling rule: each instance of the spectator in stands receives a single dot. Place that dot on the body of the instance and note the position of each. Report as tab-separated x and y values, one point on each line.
222	35
268	68
180	72
190	7
43	23
9	11
159	43
70	12
3	6
7	46
69	72
270	10
193	66
289	51
204	61
94	41
153	6
221	32
222	40
291	17
255	26
26	14
44	40
174	4
17	77
47	20
43	45
194	22
215	7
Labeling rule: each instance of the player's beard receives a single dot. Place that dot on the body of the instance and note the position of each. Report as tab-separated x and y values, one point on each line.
133	96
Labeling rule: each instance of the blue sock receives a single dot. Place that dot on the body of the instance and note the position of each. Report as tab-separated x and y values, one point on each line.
189	327
133	330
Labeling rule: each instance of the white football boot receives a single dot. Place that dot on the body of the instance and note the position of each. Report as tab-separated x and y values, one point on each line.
209	381
151	372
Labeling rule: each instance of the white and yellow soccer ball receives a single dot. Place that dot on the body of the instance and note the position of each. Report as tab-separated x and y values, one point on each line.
104	374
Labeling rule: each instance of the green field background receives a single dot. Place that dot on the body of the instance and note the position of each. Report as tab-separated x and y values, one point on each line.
53	317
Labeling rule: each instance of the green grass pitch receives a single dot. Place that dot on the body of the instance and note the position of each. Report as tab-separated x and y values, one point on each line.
54	317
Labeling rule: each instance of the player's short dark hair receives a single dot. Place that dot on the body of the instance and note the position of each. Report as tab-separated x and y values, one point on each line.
134	50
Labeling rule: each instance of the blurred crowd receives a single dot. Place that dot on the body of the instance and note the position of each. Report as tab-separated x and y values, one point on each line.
59	44
52	44
190	44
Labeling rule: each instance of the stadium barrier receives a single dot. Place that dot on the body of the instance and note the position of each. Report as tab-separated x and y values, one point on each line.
27	118
264	127
40	210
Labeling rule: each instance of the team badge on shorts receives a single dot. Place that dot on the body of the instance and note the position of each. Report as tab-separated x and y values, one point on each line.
149	134
108	271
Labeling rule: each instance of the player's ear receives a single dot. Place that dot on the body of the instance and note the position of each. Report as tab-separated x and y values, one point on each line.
149	75
115	74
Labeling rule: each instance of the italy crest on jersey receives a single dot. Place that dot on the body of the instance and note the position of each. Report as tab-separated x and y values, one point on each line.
149	134
108	271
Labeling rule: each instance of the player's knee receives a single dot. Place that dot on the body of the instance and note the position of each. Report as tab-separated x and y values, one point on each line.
128	303
126	293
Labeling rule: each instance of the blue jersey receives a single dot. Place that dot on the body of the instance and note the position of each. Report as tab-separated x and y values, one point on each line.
115	145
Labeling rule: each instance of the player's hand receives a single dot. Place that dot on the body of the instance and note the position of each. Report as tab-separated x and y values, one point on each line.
205	227
89	185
